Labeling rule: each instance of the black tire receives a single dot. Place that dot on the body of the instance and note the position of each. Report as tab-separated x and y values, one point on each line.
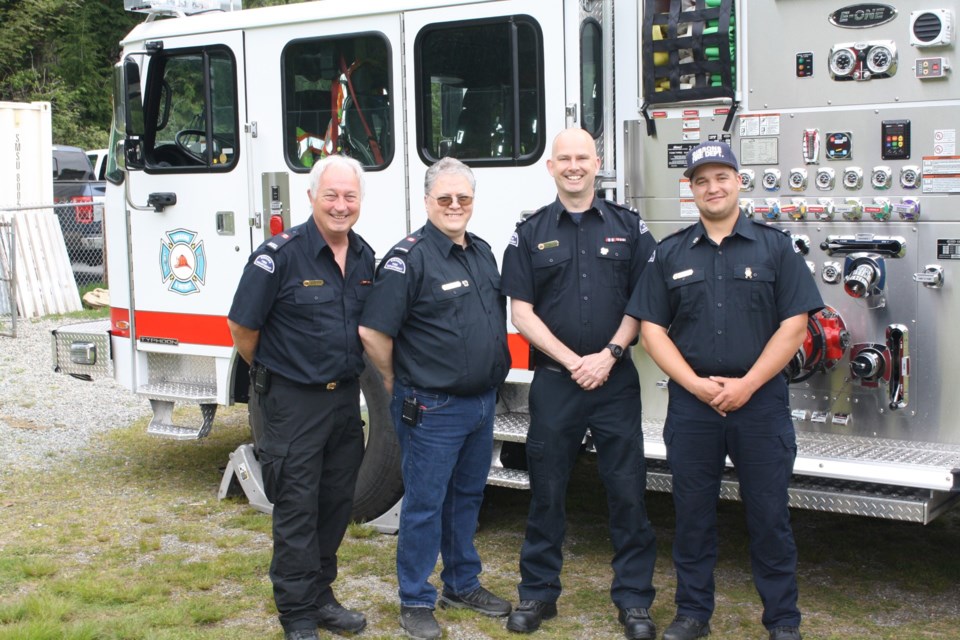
380	482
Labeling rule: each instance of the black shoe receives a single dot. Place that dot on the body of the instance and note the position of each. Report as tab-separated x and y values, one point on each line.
785	633
479	600
419	623
301	634
333	617
528	615
637	624
686	628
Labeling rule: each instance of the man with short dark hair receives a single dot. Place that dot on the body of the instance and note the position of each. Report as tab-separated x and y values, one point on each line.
723	309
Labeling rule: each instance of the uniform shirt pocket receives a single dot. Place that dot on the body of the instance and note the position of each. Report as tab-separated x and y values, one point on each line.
753	286
314	295
613	261
688	293
549	269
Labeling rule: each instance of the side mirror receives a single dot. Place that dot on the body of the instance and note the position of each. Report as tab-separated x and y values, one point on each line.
131	98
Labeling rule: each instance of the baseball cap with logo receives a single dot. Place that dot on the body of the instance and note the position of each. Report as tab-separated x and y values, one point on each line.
714	152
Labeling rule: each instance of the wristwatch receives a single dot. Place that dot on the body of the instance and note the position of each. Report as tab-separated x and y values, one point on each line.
616	350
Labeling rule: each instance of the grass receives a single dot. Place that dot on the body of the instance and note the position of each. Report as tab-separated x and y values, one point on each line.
130	542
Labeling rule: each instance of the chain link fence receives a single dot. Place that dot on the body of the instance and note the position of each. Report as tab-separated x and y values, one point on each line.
8	291
48	254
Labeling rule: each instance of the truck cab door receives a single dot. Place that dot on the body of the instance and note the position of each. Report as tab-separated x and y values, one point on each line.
187	186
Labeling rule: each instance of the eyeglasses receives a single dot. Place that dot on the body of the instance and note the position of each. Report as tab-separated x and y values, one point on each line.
446	201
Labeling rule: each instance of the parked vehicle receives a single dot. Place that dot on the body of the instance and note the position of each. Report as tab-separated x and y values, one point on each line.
98	158
219	117
81	197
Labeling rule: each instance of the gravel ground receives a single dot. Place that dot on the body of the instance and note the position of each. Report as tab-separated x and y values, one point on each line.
46	416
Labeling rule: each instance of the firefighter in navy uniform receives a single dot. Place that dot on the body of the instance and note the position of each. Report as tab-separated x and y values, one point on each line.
723	309
435	327
569	270
294	318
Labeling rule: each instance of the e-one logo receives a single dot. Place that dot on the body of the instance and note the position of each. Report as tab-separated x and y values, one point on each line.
861	16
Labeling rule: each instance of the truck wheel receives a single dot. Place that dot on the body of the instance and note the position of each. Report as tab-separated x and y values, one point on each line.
379	483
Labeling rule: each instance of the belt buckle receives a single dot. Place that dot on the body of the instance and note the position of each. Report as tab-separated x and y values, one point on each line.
331	386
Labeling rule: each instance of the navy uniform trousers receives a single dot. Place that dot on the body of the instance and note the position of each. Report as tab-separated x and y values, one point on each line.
560	413
310	455
761	443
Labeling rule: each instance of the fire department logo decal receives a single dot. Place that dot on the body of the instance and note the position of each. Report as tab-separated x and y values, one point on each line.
183	263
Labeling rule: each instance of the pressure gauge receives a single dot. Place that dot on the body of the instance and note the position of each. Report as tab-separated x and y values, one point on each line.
747	178
771	179
826	178
797	179
853	178
910	176
882	59
843	62
881	177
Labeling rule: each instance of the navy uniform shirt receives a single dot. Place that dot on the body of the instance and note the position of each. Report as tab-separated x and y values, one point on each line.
441	304
722	303
578	277
306	309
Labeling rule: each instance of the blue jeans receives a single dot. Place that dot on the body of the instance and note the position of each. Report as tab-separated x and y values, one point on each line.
445	461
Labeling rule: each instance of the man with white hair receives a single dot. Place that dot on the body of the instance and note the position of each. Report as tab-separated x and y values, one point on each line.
294	321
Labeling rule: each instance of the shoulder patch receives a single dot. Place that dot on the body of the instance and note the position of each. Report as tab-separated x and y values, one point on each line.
395	264
643	227
276	242
265	262
514	240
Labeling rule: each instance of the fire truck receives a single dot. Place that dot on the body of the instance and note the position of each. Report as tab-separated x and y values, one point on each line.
843	116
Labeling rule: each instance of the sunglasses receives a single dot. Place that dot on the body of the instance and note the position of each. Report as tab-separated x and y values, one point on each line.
446	201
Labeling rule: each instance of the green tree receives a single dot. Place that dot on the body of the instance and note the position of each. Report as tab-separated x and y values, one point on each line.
63	52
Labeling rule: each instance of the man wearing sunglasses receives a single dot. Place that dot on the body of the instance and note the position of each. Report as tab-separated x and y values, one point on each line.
435	328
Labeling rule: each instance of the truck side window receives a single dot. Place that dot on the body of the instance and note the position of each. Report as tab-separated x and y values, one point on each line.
337	99
591	77
193	111
480	91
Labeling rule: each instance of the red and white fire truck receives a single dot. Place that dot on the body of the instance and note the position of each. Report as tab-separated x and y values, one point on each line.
844	117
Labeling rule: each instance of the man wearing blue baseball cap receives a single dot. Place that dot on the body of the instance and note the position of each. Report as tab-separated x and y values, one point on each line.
723	308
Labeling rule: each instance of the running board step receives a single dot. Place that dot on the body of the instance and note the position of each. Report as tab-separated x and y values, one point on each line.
511	427
834	496
510	478
164	395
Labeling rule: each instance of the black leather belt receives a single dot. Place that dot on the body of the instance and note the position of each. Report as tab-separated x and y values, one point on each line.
543	361
322	386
